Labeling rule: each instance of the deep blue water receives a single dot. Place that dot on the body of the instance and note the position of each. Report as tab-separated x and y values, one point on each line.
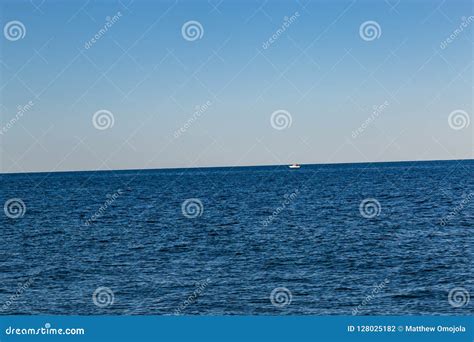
260	228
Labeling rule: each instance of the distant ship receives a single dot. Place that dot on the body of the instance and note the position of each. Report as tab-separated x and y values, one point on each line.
294	166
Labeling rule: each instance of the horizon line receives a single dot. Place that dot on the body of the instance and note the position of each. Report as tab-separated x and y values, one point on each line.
233	166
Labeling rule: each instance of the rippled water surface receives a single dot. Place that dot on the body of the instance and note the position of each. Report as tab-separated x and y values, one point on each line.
258	229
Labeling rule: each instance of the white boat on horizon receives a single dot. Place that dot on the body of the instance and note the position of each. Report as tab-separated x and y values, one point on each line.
294	166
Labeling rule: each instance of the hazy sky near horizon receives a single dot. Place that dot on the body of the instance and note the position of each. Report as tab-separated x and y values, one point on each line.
179	100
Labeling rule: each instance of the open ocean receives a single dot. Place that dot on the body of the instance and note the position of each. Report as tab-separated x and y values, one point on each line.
245	240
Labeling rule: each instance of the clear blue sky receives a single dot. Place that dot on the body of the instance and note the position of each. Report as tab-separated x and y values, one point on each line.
319	69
